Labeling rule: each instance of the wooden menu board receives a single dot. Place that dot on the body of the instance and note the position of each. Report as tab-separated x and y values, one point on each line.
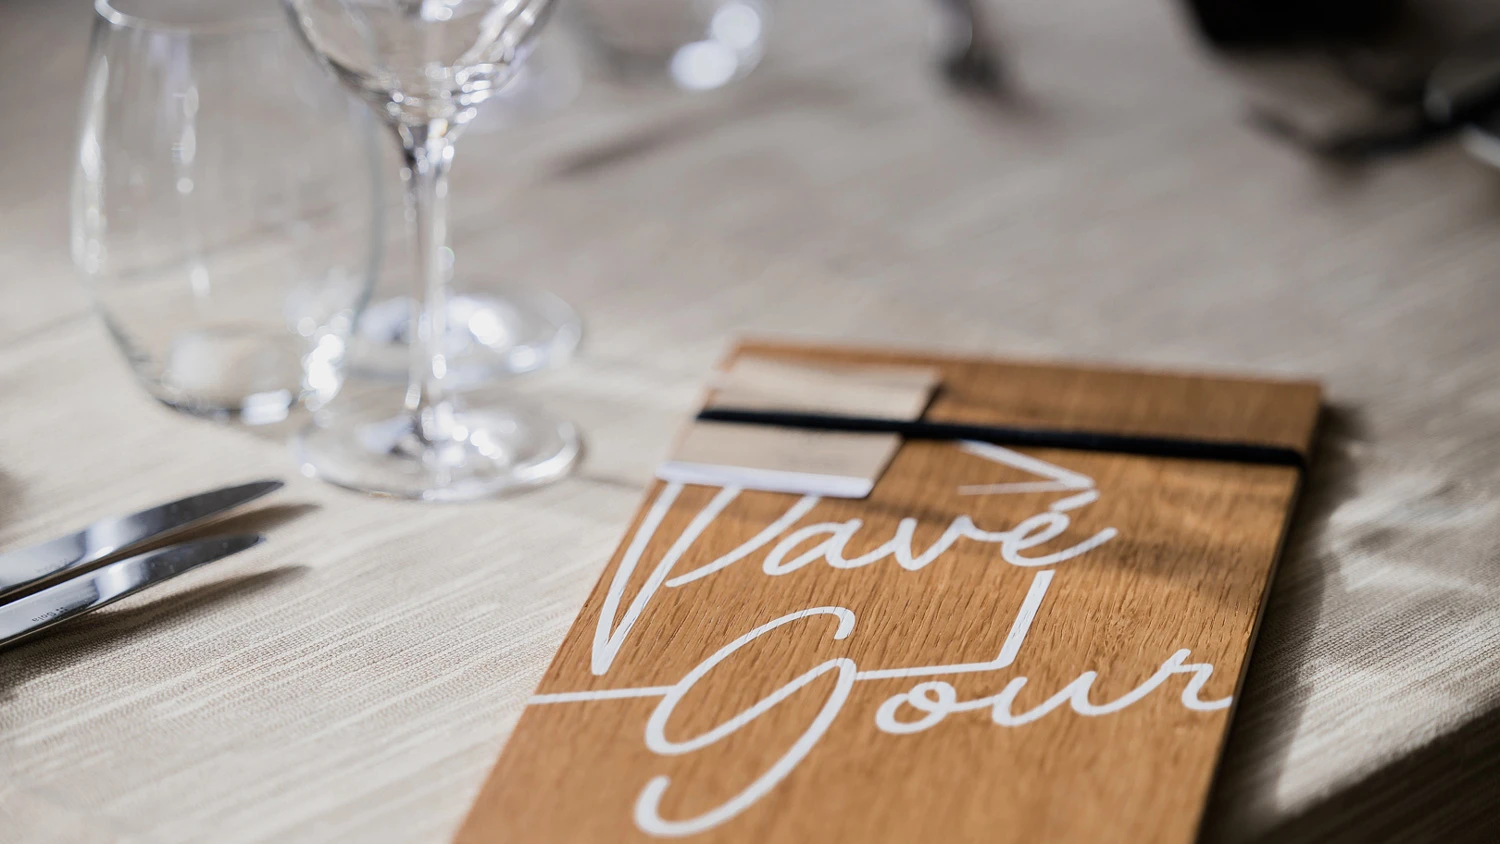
998	644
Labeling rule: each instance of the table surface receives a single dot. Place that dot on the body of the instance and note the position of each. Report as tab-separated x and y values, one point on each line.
354	678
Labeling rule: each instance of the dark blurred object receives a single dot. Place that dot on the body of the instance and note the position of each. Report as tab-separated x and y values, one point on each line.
1412	72
1247	23
967	53
1482	140
1462	88
1465	84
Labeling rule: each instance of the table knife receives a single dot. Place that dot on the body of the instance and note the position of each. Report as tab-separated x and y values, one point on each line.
110	582
28	567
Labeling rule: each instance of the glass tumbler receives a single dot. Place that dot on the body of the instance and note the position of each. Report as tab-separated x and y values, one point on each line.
698	45
225	205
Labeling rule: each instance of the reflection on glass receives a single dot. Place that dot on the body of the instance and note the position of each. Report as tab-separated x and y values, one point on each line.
223	206
425	67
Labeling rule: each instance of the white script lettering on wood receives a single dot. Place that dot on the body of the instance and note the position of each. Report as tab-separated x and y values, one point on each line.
922	707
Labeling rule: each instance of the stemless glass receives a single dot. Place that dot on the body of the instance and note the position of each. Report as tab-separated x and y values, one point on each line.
424	66
223	205
698	45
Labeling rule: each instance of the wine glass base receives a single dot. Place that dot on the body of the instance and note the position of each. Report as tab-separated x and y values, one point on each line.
495	449
493	332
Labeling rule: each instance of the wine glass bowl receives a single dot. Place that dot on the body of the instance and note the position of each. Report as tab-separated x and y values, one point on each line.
424	66
419	61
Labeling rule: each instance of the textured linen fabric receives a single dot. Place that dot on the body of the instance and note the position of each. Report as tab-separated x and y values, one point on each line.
354	678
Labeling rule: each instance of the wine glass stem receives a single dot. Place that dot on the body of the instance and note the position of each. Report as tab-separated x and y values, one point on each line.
428	153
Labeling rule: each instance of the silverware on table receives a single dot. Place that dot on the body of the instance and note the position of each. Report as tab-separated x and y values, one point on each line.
59	579
28	566
106	584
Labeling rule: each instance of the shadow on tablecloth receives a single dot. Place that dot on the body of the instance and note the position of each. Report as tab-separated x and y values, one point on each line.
1448	790
92	635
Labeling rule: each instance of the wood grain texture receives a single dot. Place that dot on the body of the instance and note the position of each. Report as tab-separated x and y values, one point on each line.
1195	550
1103	399
833	463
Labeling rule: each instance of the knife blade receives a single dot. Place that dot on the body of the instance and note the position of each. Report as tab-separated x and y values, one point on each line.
111	582
27	566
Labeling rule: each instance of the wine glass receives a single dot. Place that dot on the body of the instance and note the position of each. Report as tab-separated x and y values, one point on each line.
497	326
425	66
